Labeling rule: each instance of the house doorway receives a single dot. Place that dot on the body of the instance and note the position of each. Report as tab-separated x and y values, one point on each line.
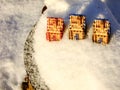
76	37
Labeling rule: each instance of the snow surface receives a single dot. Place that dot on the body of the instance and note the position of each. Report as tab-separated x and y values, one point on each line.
17	17
79	65
93	67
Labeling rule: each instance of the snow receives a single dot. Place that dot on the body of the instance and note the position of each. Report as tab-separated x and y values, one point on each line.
114	8
17	17
64	65
78	65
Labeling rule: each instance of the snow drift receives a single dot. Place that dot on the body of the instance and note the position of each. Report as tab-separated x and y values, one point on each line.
92	67
78	65
17	17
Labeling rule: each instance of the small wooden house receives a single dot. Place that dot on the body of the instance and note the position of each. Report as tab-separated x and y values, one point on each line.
55	29
101	31
77	27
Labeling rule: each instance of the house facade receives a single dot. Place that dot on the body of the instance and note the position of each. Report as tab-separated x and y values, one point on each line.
77	27
101	31
55	29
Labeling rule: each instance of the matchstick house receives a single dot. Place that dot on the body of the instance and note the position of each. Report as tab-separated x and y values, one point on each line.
101	31
77	27
55	29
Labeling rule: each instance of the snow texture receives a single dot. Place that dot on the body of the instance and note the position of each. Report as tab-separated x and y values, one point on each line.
64	65
79	65
17	17
30	65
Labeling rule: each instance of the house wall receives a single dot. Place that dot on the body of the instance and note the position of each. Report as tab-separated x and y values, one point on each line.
101	31
72	35
77	28
97	37
55	29
54	36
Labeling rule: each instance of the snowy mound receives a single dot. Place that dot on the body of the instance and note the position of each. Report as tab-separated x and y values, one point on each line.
78	65
17	17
